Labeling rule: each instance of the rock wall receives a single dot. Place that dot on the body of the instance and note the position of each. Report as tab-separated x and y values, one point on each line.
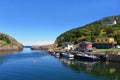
113	57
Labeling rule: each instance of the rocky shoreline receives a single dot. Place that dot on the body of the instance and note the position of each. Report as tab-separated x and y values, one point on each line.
13	48
45	47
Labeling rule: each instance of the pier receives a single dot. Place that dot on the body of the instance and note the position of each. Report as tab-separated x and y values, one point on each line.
103	56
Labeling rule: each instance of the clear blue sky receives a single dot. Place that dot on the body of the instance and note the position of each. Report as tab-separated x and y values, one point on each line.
44	20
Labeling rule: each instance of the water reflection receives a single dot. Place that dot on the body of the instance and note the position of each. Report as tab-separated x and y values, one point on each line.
77	65
38	64
108	70
25	54
2	53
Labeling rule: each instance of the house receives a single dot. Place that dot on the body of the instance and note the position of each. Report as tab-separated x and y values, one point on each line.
112	22
85	46
67	46
104	42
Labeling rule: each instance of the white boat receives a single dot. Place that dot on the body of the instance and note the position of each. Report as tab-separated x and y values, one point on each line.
67	55
56	54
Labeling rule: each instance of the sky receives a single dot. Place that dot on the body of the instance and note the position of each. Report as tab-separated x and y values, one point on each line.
34	21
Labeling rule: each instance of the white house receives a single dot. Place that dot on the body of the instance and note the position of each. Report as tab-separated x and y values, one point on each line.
112	22
67	46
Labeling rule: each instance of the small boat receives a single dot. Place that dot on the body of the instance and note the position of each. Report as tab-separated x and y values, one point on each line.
57	54
67	55
87	57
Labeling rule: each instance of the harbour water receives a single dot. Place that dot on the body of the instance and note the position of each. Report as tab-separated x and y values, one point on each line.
38	65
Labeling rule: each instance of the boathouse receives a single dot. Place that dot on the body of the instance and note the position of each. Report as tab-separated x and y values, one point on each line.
85	46
104	42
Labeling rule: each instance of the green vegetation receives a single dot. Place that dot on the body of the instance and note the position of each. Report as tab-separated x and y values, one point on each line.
106	51
5	38
8	43
90	31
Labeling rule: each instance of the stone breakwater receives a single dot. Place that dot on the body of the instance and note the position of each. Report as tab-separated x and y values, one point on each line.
109	55
36	48
113	57
46	47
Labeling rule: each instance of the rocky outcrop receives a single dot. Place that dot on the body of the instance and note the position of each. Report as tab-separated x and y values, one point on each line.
36	48
8	43
40	47
44	47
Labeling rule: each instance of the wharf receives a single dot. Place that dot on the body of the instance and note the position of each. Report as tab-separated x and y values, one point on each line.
105	56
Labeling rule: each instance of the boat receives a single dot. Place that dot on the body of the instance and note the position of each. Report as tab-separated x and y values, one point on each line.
57	54
67	55
87	57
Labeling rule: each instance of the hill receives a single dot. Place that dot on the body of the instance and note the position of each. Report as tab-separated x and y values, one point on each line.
9	43
104	27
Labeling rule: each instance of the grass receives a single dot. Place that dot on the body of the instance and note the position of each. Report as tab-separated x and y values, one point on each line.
106	50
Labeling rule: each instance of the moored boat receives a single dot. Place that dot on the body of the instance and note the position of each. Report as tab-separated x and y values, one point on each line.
57	54
87	57
67	55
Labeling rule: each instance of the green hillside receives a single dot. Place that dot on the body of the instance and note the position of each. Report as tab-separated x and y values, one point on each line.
88	32
9	43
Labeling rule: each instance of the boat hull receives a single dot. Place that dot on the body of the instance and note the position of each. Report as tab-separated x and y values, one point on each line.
56	54
87	58
67	55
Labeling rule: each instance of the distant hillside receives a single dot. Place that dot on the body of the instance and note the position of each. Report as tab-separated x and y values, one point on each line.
103	27
9	43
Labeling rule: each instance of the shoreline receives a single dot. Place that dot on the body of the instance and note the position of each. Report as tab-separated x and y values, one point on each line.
9	48
112	54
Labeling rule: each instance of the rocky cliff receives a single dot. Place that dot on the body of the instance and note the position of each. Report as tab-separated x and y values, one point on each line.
8	43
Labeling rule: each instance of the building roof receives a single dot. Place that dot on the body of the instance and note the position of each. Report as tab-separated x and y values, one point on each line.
66	43
112	22
85	42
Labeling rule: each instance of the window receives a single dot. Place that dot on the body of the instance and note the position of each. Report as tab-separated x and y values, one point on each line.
97	40
106	40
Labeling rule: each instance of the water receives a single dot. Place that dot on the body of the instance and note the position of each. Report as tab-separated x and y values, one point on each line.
38	65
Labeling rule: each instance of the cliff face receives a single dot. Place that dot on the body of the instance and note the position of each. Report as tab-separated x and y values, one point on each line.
8	43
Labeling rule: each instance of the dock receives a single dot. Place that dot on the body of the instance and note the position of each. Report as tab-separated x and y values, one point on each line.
112	55
103	56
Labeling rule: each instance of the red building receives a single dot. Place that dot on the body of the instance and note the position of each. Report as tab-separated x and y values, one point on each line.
85	46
